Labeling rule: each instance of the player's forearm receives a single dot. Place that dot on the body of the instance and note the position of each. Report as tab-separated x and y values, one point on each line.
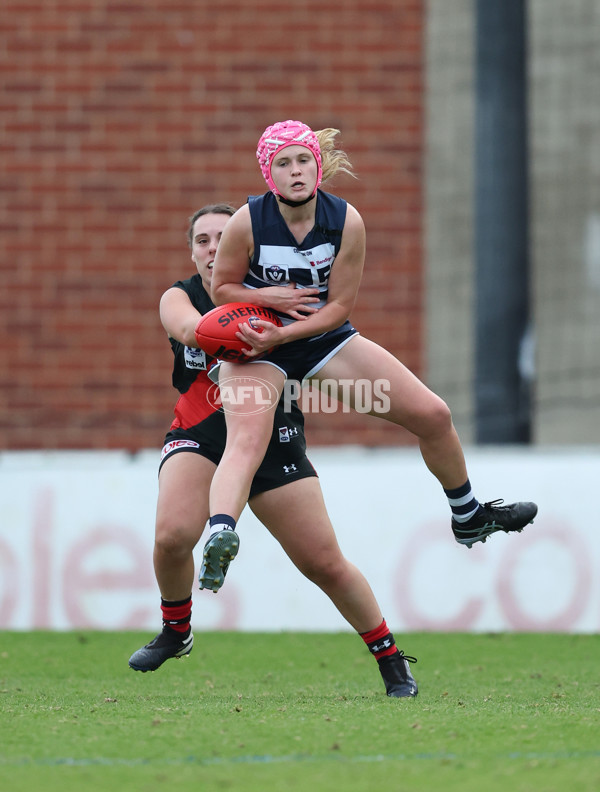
329	317
222	293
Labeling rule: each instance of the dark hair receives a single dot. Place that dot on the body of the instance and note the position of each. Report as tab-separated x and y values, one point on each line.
218	208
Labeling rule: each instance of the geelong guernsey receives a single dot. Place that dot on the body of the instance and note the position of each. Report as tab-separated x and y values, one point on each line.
278	258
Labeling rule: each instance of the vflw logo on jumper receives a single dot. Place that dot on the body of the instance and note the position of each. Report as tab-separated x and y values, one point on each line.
275	273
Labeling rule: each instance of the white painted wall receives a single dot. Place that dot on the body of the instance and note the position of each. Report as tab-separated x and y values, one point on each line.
76	537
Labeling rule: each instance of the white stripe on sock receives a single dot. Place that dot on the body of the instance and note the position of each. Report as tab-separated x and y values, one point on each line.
463	518
461	501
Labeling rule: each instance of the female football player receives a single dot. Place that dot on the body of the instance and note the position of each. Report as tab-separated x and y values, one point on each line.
280	246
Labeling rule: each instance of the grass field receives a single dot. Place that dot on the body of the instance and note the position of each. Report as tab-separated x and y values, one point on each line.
299	712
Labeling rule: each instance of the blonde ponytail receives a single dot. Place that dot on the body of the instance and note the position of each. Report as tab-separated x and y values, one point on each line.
334	160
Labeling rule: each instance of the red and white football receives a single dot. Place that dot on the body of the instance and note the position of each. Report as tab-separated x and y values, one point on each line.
215	332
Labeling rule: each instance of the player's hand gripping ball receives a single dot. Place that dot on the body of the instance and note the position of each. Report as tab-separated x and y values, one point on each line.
215	332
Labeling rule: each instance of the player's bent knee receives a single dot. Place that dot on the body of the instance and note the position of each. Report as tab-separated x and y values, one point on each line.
438	418
249	441
324	571
173	542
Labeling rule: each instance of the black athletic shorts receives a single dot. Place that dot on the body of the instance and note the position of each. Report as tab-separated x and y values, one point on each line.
284	461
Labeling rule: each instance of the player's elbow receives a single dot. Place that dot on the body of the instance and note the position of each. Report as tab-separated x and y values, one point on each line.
218	293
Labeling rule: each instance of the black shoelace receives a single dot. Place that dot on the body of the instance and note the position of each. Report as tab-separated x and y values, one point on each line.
408	658
494	504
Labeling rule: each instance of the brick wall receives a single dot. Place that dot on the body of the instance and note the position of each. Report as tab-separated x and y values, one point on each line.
118	120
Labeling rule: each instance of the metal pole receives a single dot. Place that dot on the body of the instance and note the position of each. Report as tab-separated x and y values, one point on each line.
502	386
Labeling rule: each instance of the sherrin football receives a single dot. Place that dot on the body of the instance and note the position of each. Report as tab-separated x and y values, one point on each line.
215	332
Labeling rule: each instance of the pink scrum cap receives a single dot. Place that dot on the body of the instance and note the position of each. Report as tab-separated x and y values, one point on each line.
279	136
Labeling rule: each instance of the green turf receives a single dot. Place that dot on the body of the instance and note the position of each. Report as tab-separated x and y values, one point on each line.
516	713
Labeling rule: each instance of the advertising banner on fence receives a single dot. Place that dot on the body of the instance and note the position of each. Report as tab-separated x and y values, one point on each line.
77	529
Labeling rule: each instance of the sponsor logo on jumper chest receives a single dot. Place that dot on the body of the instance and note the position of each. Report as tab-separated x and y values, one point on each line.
194	358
